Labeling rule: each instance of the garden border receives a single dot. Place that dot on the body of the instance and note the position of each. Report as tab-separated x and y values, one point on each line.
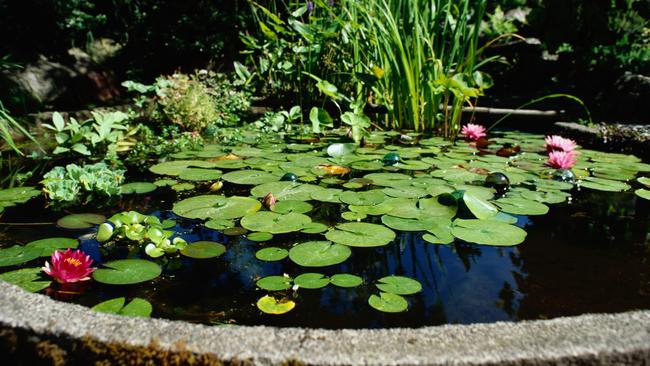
35	328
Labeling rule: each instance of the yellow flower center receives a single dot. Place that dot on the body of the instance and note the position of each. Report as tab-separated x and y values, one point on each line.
75	262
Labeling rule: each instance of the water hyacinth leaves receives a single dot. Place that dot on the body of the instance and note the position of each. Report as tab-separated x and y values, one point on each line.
216	207
203	249
399	285
274	283
361	234
311	281
127	272
80	221
136	307
270	305
272	254
346	280
319	254
274	223
388	303
28	279
488	232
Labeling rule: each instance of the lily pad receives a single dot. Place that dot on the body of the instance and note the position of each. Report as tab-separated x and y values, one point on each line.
137	307
272	254
138	188
388	303
286	190
28	279
327	195
402	224
270	305
274	223
545	197
180	187
250	177
127	271
311	281
216	207
480	208
645	181
319	254
521	206
488	232
399	285
46	247
440	232
199	175
361	234
274	283
606	185
165	182
353	216
260	236
314	228
18	254
643	193
175	167
220	224
203	249
289	206
80	221
346	280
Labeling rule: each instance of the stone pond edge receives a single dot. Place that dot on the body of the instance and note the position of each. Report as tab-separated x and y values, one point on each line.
35	327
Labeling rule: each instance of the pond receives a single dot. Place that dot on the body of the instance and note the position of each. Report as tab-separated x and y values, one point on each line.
371	247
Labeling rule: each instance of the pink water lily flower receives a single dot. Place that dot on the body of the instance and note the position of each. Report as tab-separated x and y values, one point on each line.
473	132
69	266
559	143
561	159
269	200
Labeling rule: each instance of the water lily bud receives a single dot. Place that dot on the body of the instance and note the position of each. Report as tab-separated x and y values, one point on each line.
216	186
269	200
104	232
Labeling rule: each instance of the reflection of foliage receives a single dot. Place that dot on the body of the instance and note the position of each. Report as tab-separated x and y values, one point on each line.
67	185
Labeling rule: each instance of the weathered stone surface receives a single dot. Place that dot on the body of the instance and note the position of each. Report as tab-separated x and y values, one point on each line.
43	81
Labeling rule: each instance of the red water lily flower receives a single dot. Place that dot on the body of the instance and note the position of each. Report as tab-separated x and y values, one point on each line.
559	143
69	266
473	132
561	159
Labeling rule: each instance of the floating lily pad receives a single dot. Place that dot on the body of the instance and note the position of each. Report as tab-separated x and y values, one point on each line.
216	207
327	195
545	197
402	224
645	181
250	177
361	234
274	283
389	179
175	167
314	228
127	271
180	187
11	196
521	206
165	182
311	281
388	303
199	175
272	254
488	232
346	280
28	279
46	247
439	232
286	190
274	223
643	193
606	185
353	216
80	221
18	254
203	249
399	285
319	254
220	224
289	206
261	236
138	188
270	305
551	185
480	208
137	307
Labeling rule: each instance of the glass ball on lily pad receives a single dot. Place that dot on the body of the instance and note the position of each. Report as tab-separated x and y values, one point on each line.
289	177
564	175
390	159
498	181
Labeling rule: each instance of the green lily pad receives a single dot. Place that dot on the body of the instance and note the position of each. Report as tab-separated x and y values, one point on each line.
439	233
319	254
327	195
270	305
261	236
138	188
388	303
250	177
284	207
18	254
314	228
274	283
552	185
521	206
220	224
80	221
389	179
367	198
346	280
480	208
272	254
127	271
165	182
203	249
488	232
545	197
405	192
46	247
361	234
606	185
353	216
643	193
199	174
216	207
28	279
399	285
645	181
286	190
175	167
180	187
402	224
311	281
274	223
137	307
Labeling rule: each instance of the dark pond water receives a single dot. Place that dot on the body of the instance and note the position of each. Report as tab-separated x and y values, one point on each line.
588	255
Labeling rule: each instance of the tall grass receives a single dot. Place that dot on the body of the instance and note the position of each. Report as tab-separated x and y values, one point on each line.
7	124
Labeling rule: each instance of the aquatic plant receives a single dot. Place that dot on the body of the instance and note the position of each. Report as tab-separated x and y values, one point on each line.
473	132
7	124
69	266
73	183
561	159
269	201
559	143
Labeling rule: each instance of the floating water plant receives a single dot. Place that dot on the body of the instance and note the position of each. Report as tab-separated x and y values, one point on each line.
69	266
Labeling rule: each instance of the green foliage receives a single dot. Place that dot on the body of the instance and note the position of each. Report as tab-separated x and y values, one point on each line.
106	134
68	185
151	145
8	124
282	122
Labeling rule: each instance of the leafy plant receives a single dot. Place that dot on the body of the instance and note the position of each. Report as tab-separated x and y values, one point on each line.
107	133
68	185
151	146
279	122
7	124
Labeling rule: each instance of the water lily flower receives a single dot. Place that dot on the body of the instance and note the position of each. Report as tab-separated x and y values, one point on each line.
561	159
269	200
473	132
559	143
69	266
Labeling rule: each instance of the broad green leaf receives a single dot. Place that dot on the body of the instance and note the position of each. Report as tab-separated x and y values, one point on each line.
319	254
388	303
127	271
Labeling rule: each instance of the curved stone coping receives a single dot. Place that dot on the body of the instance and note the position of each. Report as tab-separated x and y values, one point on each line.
603	339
